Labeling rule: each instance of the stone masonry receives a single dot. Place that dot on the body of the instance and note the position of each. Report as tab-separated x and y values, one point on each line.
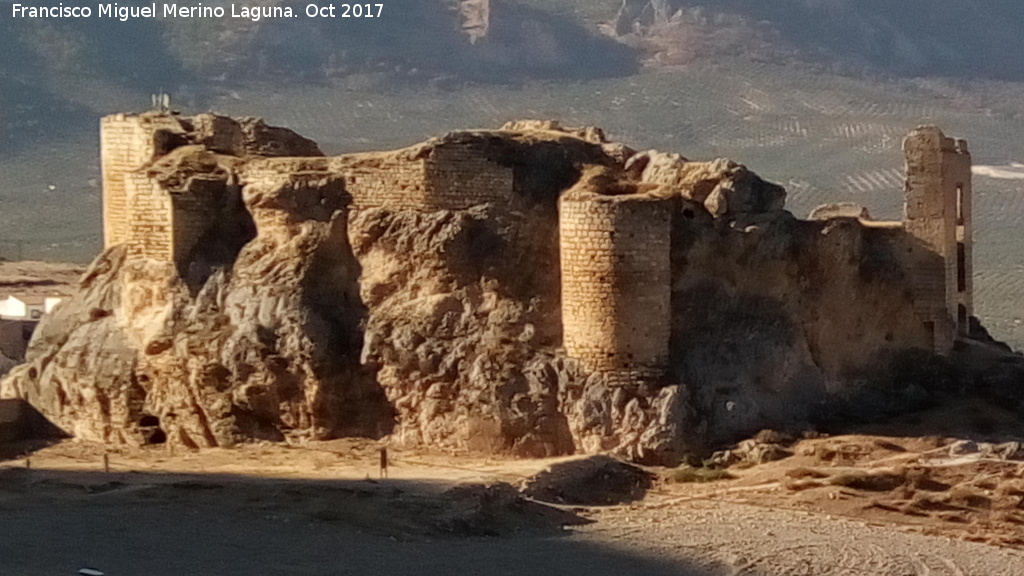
938	216
134	212
446	177
615	255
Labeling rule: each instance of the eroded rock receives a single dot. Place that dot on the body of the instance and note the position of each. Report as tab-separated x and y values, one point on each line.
498	509
597	480
839	210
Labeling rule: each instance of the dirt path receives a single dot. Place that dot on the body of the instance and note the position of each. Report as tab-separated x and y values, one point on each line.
274	510
735	539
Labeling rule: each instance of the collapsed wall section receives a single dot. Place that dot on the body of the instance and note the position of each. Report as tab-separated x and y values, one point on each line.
193	214
616	283
938	218
167	223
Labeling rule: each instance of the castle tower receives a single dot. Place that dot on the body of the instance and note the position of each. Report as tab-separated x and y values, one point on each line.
616	283
152	221
937	216
127	143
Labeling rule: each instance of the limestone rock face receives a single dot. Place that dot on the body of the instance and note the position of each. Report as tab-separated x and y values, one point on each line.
418	294
88	388
259	352
724	187
777	317
454	331
247	136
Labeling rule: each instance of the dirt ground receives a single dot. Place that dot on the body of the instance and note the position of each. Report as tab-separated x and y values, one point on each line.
322	509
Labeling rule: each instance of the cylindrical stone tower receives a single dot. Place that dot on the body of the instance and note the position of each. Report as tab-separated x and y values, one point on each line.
616	283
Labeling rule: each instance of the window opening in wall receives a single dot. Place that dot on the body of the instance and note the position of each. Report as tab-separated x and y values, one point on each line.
959	204
961	267
961	316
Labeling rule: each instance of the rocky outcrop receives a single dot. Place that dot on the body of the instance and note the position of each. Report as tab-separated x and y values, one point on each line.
725	188
417	294
839	210
635	16
475	18
594	481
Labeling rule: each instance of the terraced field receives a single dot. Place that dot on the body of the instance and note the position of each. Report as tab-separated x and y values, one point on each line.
825	137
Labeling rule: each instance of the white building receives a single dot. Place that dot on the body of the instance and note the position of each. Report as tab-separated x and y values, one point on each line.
27	307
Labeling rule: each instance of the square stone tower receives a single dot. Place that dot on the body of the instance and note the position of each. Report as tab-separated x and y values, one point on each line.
937	216
152	221
127	143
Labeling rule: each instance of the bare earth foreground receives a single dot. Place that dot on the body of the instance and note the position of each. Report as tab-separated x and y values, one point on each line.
320	509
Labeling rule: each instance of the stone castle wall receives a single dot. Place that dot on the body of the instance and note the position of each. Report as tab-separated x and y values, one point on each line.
450	177
163	225
459	177
148	230
938	217
390	181
126	144
615	259
136	211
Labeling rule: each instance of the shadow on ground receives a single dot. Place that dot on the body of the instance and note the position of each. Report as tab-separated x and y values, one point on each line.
56	522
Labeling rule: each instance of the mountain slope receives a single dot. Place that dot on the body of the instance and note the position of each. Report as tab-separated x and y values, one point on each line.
968	38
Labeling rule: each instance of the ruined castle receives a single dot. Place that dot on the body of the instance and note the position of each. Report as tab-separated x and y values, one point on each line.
532	290
615	250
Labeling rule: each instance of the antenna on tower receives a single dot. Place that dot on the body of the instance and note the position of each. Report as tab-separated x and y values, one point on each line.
161	101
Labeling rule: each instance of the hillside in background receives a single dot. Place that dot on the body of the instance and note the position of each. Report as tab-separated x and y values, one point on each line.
813	94
57	74
968	38
950	38
58	70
